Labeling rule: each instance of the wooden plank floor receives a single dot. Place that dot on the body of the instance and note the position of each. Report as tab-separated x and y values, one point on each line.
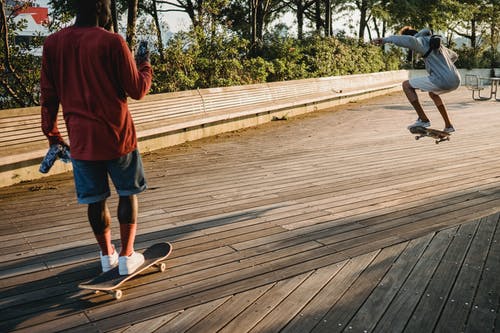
333	222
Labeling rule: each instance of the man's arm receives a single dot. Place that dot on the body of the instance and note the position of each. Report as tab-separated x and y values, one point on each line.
49	102
408	42
135	79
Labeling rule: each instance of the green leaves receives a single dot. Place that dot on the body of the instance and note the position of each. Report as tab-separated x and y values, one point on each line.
194	60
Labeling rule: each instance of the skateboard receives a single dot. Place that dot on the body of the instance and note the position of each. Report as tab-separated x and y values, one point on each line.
430	132
111	280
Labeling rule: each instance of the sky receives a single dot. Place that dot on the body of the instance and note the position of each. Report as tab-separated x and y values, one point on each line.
176	21
180	21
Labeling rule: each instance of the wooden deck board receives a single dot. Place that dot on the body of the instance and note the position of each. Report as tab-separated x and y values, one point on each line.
295	226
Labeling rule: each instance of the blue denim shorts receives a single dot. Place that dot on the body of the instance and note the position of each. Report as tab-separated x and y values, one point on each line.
91	177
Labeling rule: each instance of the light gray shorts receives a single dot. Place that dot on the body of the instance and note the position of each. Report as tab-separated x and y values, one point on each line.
425	84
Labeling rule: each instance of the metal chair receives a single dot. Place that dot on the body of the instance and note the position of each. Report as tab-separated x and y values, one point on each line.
474	83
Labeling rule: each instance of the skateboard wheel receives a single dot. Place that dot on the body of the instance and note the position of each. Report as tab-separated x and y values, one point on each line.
417	137
117	294
163	267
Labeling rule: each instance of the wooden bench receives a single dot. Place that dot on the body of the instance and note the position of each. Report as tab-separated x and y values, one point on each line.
168	119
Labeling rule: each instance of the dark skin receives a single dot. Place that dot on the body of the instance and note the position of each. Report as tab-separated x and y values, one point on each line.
101	17
98	213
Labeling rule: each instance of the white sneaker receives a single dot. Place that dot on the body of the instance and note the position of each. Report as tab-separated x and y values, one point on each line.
449	129
420	123
109	262
128	265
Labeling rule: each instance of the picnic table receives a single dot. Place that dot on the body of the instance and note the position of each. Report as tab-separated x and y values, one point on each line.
476	84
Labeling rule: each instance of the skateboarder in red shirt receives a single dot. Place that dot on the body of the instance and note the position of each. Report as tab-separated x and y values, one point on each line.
90	71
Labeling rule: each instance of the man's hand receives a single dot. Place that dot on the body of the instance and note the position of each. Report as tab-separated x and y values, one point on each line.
142	53
378	41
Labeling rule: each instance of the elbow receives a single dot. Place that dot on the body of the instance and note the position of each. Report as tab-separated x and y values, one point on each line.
139	94
141	88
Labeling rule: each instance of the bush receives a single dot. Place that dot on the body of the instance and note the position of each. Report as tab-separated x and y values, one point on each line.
197	60
471	58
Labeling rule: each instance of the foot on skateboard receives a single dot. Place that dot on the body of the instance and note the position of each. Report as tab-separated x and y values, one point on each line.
111	280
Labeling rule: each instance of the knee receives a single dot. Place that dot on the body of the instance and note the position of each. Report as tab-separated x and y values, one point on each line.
408	89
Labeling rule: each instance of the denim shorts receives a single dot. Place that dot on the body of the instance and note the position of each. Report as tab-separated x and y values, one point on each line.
91	177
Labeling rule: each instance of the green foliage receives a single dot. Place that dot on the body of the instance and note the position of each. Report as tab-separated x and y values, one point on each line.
471	58
178	72
255	70
219	62
286	57
217	52
23	81
194	60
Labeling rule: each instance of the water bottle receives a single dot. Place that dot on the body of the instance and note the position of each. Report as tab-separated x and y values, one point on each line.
142	53
55	151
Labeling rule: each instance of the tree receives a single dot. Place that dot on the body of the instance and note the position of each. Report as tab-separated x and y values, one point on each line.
251	17
198	11
12	82
151	8
300	7
131	21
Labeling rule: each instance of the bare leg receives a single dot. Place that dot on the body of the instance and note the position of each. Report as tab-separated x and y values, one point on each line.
442	109
412	96
100	221
127	215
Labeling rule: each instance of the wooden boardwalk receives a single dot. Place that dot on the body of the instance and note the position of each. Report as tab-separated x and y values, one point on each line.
333	222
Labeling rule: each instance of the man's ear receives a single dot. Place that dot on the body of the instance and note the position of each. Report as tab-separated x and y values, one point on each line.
98	7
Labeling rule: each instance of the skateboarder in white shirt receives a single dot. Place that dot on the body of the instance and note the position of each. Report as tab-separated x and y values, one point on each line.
439	62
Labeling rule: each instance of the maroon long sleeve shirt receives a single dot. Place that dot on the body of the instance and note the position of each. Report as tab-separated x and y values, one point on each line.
90	72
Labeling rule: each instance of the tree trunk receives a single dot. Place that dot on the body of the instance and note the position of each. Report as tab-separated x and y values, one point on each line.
494	38
473	38
253	18
9	69
363	9
319	24
201	14
5	37
158	31
114	16
328	18
300	20
131	22
261	11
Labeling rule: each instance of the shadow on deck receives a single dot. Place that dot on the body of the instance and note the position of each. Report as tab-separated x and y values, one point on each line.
335	221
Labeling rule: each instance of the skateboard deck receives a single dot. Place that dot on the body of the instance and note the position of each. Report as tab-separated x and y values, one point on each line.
438	135
111	280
